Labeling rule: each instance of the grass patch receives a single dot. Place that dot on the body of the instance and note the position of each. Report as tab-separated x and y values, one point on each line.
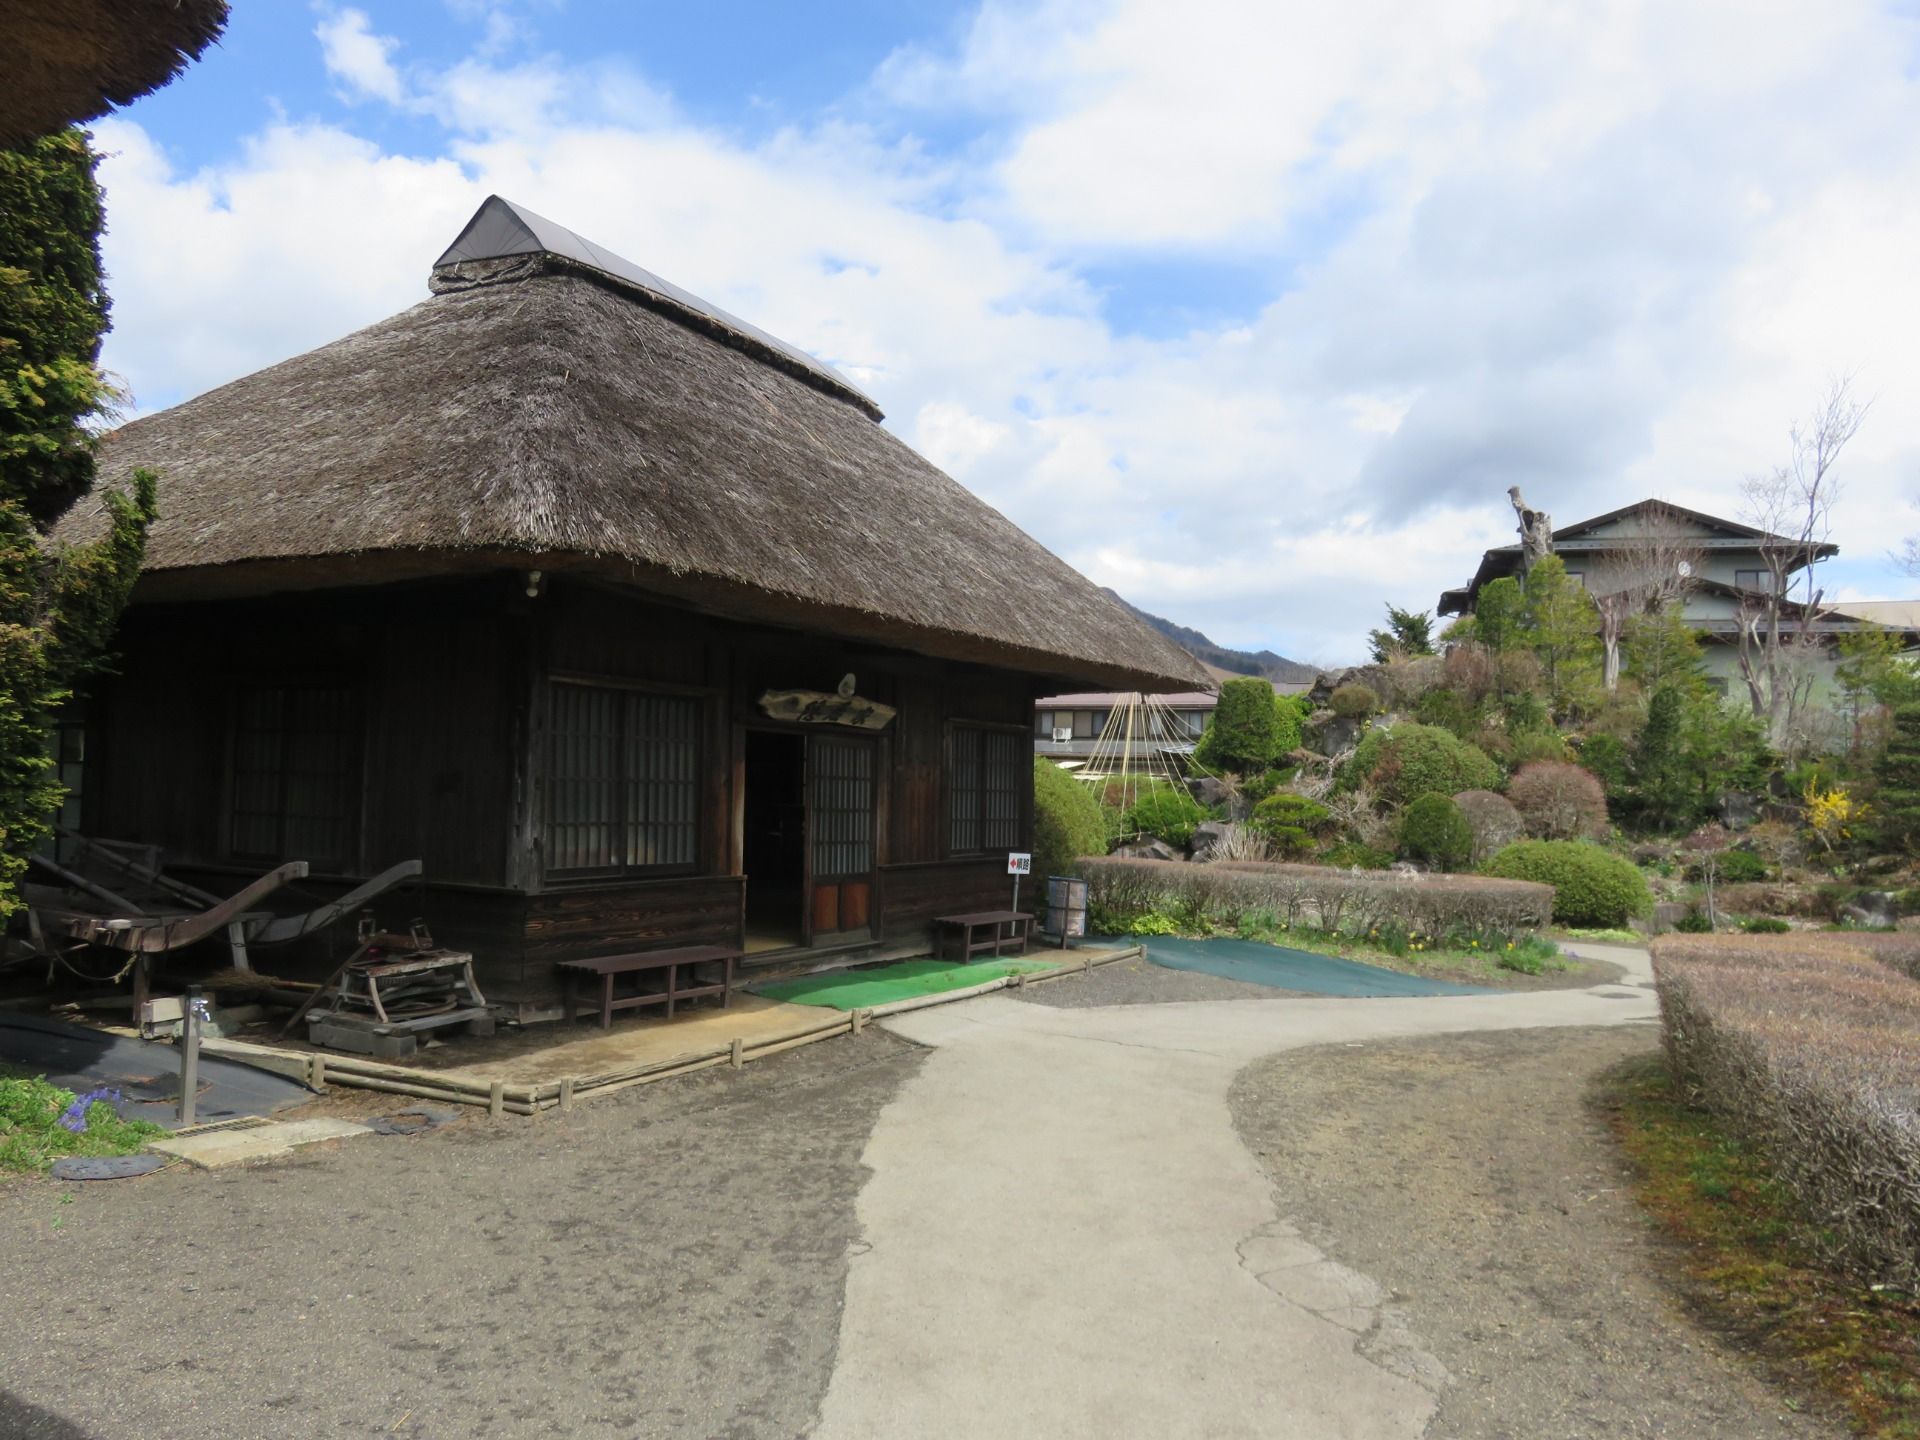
1750	1259
1602	937
32	1136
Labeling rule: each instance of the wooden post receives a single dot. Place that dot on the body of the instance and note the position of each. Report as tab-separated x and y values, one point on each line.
738	1055
497	1100
566	1093
319	1074
859	1020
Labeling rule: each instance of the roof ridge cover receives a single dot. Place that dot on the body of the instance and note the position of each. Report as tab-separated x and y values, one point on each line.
501	229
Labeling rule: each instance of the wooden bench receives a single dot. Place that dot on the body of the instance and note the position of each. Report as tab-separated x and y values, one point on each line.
606	967
1018	924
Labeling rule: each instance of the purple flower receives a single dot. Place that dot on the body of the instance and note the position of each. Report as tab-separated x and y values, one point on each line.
74	1118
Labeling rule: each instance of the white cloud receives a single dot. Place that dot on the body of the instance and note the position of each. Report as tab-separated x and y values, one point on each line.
360	59
1603	250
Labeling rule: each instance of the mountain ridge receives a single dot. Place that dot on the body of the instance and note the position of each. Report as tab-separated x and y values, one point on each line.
1264	663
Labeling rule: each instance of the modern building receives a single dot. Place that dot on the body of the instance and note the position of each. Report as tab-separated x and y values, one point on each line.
626	618
1728	569
1121	730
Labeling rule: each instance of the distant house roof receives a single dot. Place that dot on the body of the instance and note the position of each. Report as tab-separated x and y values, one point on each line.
70	61
1579	539
1894	614
545	410
1114	699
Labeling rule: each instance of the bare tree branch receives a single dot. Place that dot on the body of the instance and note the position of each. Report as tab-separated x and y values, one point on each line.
1793	506
1652	567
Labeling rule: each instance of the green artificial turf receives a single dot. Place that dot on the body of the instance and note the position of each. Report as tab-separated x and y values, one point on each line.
883	984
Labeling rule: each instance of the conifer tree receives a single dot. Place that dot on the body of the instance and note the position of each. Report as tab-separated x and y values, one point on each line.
58	604
1243	735
1897	802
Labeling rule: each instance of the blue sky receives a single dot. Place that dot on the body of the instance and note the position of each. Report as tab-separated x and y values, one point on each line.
1250	310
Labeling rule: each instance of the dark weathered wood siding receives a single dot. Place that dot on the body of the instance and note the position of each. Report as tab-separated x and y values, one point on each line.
454	678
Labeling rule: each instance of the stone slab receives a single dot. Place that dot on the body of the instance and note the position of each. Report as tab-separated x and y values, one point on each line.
217	1148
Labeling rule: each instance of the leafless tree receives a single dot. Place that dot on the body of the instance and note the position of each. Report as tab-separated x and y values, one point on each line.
1653	567
1793	507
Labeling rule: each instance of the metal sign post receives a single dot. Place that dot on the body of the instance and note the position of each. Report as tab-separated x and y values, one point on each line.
191	1014
1019	862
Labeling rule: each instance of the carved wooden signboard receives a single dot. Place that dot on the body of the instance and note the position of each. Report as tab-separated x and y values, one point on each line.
818	707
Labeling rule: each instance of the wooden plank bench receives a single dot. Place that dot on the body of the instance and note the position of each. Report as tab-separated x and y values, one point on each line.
606	967
1018	924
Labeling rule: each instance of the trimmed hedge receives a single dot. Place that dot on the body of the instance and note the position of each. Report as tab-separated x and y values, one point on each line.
1314	897
1591	886
1809	1044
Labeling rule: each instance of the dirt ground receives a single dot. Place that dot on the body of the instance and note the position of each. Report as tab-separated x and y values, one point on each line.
669	1261
1469	1176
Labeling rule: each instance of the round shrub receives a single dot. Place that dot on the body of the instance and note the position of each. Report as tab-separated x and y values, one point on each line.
1435	831
1353	701
1165	813
1493	820
1591	886
1409	761
1742	867
1289	822
1559	801
1067	821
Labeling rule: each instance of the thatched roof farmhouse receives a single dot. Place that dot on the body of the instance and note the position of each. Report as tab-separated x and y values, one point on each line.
628	619
70	61
554	406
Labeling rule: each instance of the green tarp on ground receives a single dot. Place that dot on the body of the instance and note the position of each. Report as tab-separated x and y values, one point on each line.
1286	969
883	984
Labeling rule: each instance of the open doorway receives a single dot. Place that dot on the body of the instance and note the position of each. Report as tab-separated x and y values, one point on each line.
774	839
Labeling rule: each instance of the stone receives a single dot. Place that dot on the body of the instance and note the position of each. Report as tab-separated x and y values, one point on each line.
215	1148
1871	910
1208	836
1738	809
1207	791
1147	850
354	1039
1326	733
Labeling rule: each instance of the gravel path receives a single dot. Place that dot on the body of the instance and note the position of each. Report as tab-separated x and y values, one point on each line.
1469	1177
665	1262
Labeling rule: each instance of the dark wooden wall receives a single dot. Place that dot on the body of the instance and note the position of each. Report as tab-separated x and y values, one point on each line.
455	676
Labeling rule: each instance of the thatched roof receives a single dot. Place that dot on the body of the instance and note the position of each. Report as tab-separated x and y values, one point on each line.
552	415
68	61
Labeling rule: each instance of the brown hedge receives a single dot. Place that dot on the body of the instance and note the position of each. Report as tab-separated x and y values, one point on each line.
1809	1044
1318	897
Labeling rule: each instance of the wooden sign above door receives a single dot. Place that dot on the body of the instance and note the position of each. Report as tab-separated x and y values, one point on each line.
818	707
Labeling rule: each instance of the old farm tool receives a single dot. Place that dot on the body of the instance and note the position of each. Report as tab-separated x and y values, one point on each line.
88	913
390	991
107	870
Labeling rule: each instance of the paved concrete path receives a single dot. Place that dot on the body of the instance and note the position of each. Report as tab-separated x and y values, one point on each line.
1066	1237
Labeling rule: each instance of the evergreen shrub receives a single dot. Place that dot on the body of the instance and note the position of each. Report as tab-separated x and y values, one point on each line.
1290	822
1353	701
1067	822
1166	812
1408	761
1434	830
1592	888
1243	736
